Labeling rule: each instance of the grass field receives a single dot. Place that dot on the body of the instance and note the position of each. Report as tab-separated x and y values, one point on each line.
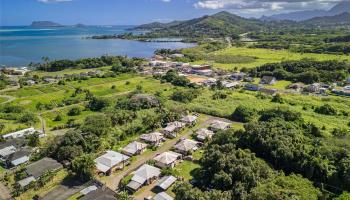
262	56
186	169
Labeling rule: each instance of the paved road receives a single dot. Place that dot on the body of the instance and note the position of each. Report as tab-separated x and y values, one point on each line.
113	180
4	192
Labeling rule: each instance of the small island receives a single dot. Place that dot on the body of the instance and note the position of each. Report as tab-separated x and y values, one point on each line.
40	24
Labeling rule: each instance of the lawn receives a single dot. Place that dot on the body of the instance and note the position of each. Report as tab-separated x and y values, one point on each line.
262	56
186	169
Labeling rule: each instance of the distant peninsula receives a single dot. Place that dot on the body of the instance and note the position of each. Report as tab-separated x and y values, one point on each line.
38	24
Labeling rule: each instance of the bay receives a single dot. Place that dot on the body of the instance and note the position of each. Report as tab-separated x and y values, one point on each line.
20	45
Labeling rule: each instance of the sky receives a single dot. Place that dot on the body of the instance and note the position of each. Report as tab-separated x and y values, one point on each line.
135	12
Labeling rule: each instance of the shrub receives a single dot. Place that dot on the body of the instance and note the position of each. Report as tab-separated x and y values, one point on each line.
244	114
185	96
326	110
74	111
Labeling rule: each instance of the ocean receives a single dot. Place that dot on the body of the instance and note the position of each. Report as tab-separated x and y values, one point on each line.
21	45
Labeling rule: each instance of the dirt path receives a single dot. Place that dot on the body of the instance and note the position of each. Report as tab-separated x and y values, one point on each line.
9	98
4	192
113	180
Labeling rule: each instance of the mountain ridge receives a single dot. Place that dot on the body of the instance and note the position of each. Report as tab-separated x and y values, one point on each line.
339	8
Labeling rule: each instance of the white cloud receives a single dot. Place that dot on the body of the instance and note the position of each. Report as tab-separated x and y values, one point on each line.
53	1
272	5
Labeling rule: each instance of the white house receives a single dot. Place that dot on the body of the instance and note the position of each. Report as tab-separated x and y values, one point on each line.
167	159
20	133
111	160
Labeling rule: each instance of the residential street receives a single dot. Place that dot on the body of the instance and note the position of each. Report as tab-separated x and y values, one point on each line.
113	180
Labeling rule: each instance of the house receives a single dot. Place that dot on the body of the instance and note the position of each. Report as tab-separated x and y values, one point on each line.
219	125
154	139
6	151
190	120
89	189
186	146
296	86
268	80
30	82
166	182
162	196
134	148
103	193
176	55
145	175
19	134
24	182
19	157
167	159
172	128
204	70
269	91
209	82
111	161
36	169
251	87
230	85
49	80
203	134
238	76
313	88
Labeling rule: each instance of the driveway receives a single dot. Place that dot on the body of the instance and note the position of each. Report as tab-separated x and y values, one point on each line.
65	190
4	192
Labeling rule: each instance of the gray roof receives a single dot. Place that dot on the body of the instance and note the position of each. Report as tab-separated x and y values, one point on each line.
167	157
133	147
186	145
152	137
204	133
39	167
4	152
163	196
134	185
144	173
19	157
26	181
89	189
219	125
100	194
109	160
166	182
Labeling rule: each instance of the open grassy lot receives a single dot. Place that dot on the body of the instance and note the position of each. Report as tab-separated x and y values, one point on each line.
261	56
304	104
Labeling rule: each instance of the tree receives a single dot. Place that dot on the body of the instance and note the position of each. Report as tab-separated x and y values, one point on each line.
123	195
244	114
326	110
74	111
33	140
97	104
285	187
83	167
98	124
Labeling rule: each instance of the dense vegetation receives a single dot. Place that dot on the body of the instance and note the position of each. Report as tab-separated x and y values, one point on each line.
306	71
119	62
232	163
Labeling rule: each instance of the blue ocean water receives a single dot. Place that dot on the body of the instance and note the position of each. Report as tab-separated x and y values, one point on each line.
21	45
